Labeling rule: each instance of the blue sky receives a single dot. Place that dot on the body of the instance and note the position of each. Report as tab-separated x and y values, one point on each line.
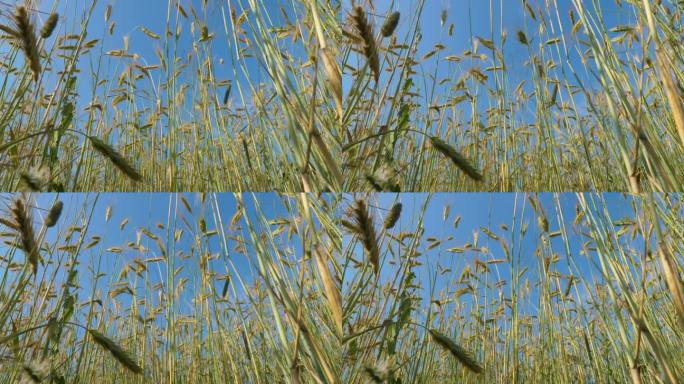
130	18
146	210
469	17
486	19
478	210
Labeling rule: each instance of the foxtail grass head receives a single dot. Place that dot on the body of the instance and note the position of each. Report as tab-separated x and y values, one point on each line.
49	26
27	35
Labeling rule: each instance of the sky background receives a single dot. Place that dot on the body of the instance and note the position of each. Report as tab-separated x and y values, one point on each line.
146	210
469	17
488	19
130	18
476	210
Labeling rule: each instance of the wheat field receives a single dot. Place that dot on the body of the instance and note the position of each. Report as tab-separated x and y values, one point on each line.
341	191
313	95
341	288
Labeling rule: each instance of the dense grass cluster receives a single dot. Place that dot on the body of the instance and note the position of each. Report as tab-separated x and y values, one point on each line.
570	101
210	295
349	289
559	292
336	107
78	116
327	95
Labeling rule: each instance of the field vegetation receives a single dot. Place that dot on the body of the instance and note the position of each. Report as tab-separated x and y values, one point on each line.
555	289
313	95
350	288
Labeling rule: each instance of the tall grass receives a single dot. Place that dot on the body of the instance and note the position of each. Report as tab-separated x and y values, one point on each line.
209	295
319	95
570	100
181	118
549	288
555	289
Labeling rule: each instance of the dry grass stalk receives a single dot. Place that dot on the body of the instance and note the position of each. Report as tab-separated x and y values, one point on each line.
334	78
674	96
332	292
674	283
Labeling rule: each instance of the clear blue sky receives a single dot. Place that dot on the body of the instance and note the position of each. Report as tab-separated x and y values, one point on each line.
476	210
145	210
131	16
479	210
482	18
487	19
469	17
